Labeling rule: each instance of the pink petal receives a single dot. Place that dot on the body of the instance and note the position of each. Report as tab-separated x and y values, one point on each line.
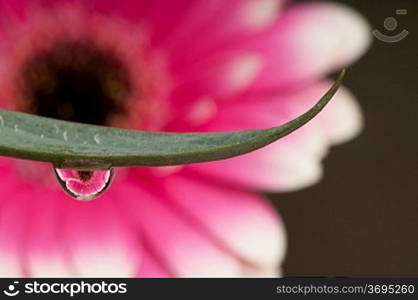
14	220
220	73
45	233
161	17
179	247
342	120
294	161
219	21
46	252
11	232
101	243
13	8
217	78
243	223
306	42
311	40
151	267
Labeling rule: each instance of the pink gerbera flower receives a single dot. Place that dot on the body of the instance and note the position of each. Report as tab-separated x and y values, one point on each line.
183	65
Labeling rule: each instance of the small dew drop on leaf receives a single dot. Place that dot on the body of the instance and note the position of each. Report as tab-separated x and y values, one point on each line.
97	139
84	185
65	136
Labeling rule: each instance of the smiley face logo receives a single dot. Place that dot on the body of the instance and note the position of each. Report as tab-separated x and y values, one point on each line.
11	290
391	24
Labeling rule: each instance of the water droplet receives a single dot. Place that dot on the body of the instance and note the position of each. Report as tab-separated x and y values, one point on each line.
97	139
84	185
65	136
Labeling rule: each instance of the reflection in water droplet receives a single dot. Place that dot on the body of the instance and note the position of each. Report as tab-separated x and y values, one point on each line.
84	184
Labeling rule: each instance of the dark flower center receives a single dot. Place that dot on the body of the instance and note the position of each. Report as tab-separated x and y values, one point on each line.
76	81
85	175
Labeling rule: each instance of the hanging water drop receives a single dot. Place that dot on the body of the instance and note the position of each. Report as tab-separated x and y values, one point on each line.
84	185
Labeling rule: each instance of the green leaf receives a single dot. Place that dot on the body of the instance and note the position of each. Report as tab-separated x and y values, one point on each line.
75	145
